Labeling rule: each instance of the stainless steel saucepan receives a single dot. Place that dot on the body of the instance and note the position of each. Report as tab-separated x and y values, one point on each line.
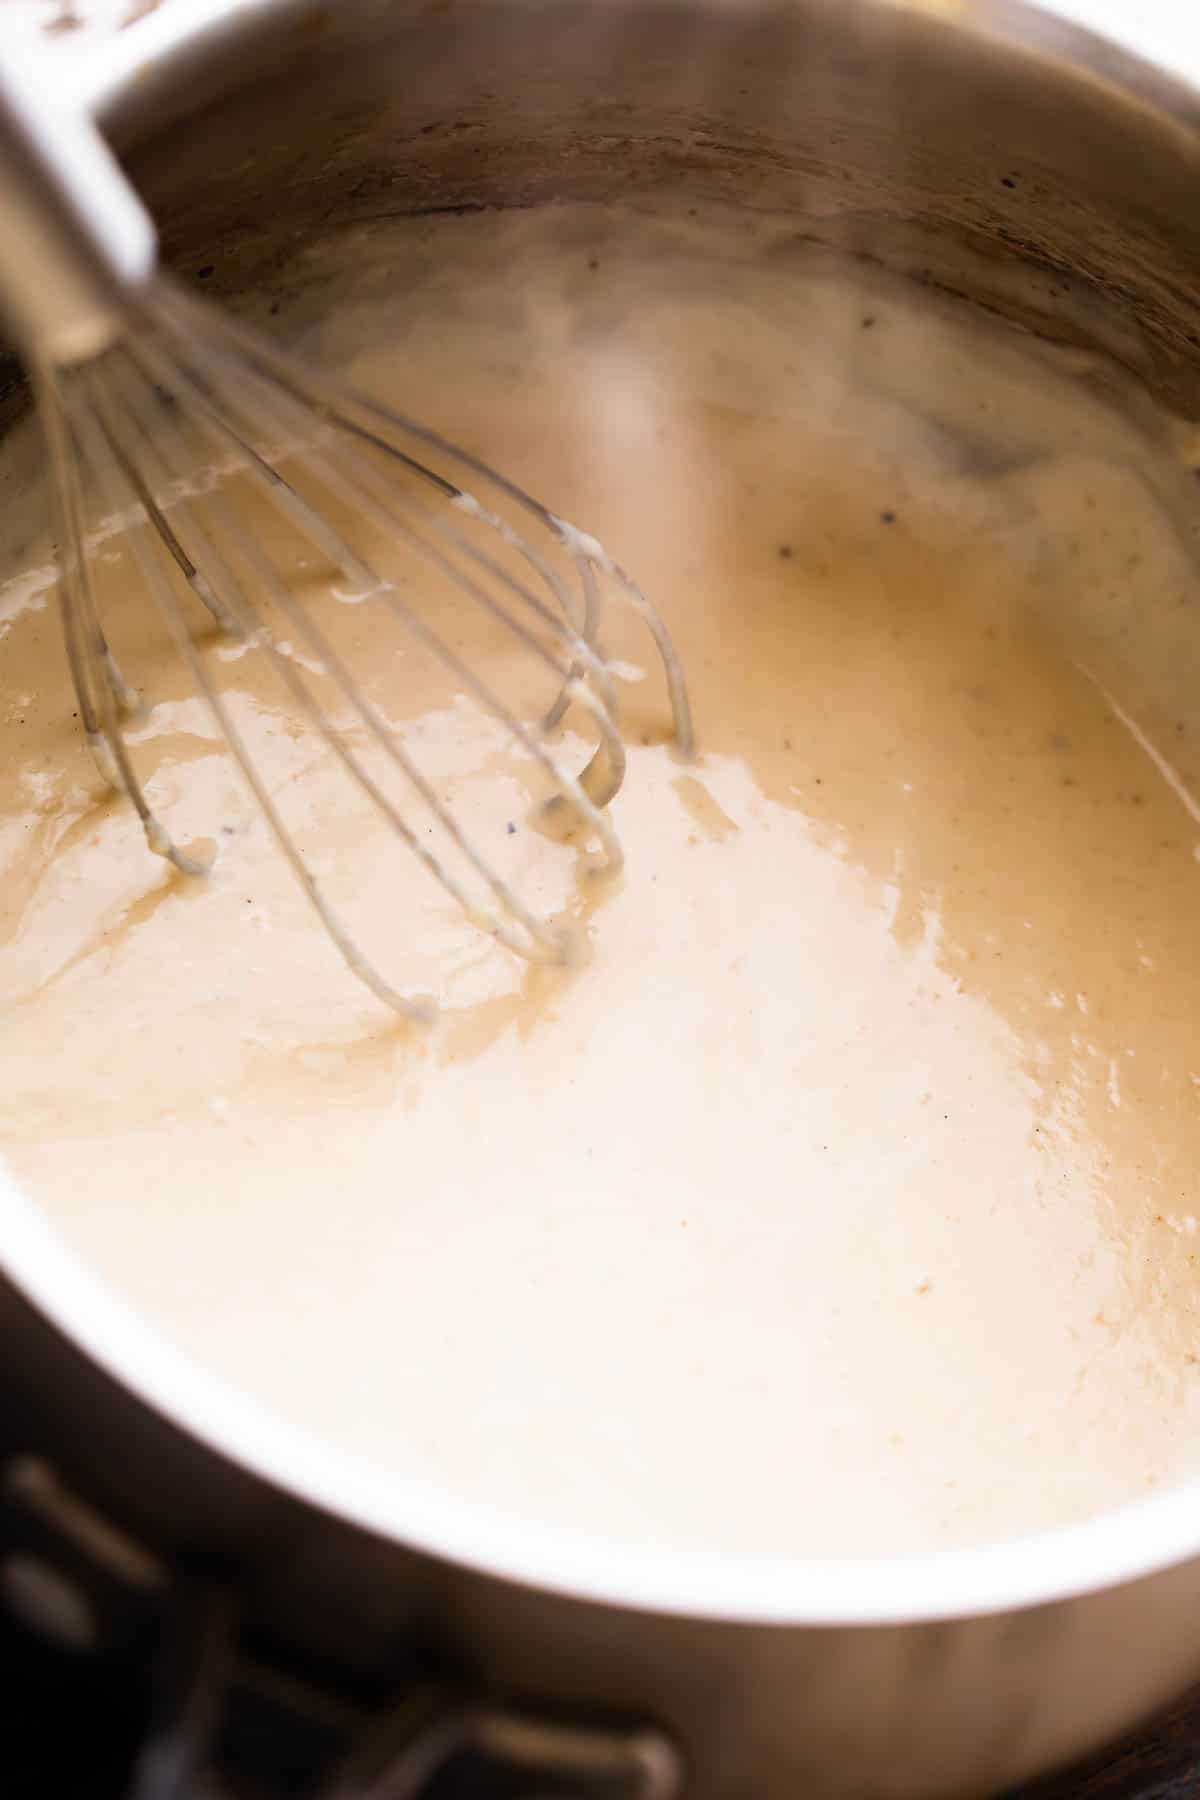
986	150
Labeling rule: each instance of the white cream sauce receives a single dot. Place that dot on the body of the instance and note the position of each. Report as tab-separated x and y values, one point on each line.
845	1197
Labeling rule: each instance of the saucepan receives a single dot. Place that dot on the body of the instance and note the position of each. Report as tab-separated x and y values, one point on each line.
988	150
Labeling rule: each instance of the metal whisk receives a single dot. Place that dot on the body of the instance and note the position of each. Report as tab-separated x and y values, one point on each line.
141	389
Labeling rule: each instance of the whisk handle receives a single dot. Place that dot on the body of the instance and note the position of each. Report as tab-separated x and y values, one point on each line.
74	237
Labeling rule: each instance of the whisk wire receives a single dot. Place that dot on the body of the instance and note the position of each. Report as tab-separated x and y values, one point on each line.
99	687
393	512
182	392
277	488
107	456
349	407
542	943
362	489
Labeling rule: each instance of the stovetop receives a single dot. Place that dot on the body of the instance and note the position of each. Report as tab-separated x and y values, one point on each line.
71	1732
1161	1763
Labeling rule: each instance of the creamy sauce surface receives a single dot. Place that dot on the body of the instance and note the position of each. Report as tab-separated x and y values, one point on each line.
844	1198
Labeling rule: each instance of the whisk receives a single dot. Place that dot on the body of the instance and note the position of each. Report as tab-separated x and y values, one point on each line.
140	386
